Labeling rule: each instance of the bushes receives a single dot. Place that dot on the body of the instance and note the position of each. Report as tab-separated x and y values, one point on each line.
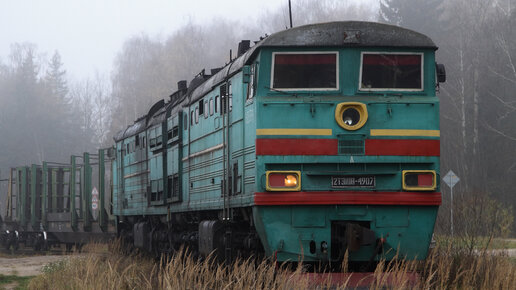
478	219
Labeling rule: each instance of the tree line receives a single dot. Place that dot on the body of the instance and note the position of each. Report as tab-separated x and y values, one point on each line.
477	43
42	117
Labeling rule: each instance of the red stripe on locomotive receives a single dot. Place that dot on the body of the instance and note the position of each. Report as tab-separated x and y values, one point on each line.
347	197
374	147
305	59
391	59
402	147
296	146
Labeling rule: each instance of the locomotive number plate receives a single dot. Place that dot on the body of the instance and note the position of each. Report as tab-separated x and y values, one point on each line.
352	181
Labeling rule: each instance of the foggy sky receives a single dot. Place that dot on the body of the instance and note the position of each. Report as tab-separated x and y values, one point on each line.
89	33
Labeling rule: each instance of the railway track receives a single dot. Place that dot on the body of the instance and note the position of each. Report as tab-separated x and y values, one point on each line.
29	251
61	249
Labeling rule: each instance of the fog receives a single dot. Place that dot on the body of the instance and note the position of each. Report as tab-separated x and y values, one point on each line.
73	73
88	33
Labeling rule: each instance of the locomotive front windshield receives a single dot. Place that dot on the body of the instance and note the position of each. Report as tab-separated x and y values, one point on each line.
382	71
305	71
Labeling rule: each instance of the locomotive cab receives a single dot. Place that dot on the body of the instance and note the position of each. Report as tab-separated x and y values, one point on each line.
347	142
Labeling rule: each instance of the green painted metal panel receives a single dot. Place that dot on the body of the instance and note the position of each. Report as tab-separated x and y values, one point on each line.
395	217
115	175
308	219
86	192
44	197
61	194
102	191
53	209
164	172
24	209
203	153
290	238
73	194
33	186
350	212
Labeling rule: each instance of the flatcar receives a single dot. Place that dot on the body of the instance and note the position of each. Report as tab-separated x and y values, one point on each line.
316	141
54	204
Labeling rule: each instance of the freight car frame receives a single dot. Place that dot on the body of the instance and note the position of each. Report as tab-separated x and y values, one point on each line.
48	205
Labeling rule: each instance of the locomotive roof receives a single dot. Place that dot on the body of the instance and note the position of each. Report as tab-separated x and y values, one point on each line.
349	33
330	34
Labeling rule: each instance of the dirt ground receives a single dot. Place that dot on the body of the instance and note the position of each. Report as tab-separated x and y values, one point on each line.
26	266
510	252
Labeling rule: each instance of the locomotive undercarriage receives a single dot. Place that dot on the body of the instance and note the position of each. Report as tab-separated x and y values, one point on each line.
349	236
203	233
200	232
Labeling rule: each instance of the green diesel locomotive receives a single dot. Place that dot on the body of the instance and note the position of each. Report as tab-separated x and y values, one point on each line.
315	141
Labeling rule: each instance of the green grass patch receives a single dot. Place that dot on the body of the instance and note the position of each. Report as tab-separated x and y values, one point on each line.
504	244
476	243
21	282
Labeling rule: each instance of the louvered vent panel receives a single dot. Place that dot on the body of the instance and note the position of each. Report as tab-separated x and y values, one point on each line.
351	147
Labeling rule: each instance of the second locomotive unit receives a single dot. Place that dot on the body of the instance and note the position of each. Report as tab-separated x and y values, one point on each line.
315	141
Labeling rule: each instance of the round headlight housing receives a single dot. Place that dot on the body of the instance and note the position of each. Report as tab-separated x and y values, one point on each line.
351	115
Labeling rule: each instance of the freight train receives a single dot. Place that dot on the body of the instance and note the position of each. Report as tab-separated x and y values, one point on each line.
315	141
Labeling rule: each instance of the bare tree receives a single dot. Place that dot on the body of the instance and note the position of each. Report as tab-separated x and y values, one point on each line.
309	11
103	110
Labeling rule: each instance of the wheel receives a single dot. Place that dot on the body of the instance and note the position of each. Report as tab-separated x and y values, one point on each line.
7	244
45	246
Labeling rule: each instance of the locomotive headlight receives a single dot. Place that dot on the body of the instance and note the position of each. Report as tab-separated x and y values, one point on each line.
291	180
351	115
419	180
283	180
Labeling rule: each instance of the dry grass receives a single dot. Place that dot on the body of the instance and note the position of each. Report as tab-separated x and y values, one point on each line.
445	268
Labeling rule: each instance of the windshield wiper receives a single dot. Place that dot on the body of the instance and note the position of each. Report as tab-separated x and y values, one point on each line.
280	91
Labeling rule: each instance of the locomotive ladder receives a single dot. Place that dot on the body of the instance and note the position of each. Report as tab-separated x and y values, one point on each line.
225	92
226	125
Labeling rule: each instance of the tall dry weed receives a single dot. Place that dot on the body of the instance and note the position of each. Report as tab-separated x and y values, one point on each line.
446	267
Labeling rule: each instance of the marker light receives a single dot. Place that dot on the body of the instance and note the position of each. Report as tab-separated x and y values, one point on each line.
283	180
421	180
